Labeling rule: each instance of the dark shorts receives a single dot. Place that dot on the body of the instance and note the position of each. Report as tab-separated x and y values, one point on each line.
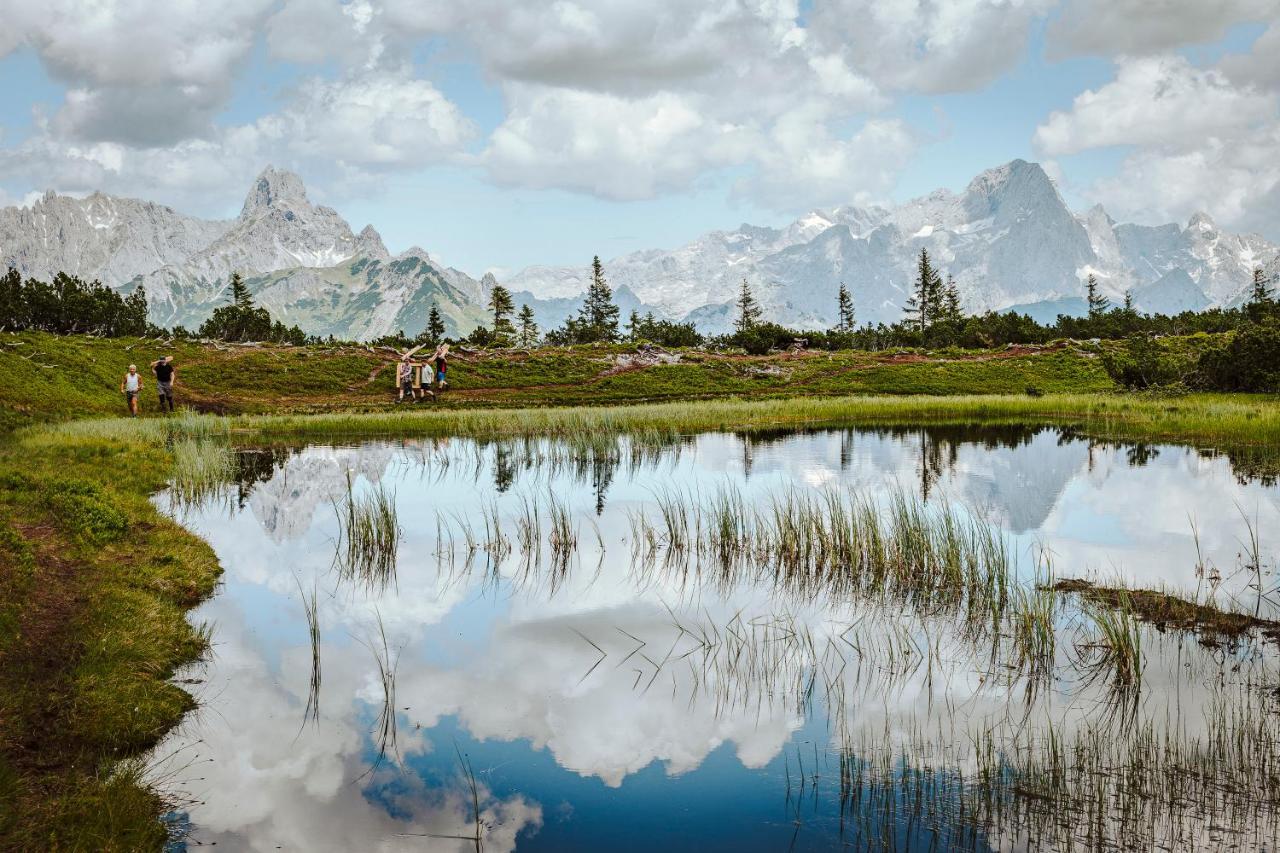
131	395
406	385
164	389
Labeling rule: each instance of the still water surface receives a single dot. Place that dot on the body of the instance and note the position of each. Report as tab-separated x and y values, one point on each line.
610	704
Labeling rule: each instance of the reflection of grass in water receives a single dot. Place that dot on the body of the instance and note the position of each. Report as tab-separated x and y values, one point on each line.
311	610
369	536
385	732
1102	788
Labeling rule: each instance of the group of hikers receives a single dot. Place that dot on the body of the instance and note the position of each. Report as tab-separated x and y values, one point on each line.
414	379
166	375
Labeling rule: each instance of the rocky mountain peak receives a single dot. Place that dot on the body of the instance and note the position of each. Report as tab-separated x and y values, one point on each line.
488	282
274	188
1017	187
369	244
1201	222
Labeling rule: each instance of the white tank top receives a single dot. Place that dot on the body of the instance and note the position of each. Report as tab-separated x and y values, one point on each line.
131	381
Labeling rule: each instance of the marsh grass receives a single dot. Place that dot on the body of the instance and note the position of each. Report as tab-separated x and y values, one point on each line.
311	610
369	536
202	469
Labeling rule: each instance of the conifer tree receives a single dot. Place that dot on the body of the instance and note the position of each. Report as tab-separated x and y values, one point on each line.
240	292
599	316
845	318
528	328
748	310
435	325
501	306
951	300
633	325
926	301
1098	304
1128	301
1260	292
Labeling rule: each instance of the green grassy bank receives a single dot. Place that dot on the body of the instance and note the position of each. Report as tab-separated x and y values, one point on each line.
45	377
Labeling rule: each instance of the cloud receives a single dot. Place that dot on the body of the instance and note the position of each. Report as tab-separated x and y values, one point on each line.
132	63
1162	101
1109	27
1261	65
930	45
1200	142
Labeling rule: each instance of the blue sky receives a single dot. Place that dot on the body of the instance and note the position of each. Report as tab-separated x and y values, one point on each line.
500	135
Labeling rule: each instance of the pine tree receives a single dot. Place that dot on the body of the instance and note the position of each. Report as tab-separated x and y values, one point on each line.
528	328
1098	304
846	319
1128	301
240	292
435	325
1261	292
501	306
599	316
926	302
633	325
951	300
748	310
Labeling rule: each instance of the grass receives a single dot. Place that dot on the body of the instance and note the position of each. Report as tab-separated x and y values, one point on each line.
369	537
94	588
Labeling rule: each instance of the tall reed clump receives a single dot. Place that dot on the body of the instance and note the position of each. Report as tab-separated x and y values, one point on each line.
368	536
1115	647
201	468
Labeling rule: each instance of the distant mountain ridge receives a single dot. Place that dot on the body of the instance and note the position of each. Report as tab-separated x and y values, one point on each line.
301	261
1009	239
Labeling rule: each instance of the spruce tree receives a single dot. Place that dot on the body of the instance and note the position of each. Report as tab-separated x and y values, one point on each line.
926	302
951	300
748	310
1128	301
1098	304
599	316
1261	292
846	320
528	328
240	292
435	325
501	306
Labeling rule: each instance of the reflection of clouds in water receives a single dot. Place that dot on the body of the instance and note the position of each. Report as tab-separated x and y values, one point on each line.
261	783
508	662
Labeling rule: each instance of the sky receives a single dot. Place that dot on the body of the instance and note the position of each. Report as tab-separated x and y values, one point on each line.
497	135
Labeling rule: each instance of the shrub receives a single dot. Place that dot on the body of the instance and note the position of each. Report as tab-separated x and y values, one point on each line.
1249	361
84	509
1143	363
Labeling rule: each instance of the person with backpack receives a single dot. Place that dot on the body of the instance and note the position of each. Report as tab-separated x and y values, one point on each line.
166	375
131	387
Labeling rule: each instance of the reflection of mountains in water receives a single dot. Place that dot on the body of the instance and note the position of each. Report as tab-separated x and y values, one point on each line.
1015	474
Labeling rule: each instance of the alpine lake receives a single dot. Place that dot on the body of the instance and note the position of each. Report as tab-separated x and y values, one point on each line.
901	639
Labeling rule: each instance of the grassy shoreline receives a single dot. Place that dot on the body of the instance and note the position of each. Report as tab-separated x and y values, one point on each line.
1218	420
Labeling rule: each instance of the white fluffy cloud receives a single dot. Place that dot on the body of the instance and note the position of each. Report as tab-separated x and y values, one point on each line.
1110	27
928	45
1163	101
1199	141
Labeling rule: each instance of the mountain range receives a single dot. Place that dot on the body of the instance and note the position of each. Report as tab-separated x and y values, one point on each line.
1009	239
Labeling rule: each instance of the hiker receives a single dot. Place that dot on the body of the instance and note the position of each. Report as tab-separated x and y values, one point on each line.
166	374
442	366
404	378
422	381
130	387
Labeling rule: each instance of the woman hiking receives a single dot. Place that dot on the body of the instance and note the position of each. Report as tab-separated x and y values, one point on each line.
131	387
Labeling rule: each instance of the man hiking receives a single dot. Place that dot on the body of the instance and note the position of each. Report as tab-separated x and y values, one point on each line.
166	374
130	387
